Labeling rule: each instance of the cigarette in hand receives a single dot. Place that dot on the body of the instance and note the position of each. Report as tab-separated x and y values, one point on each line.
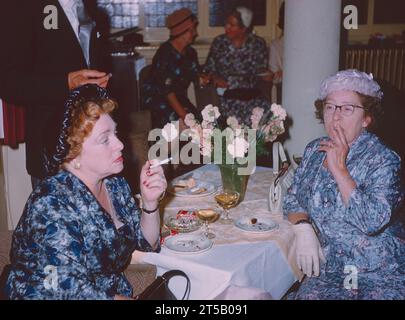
161	162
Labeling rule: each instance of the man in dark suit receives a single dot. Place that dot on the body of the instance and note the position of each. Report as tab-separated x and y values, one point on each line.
43	55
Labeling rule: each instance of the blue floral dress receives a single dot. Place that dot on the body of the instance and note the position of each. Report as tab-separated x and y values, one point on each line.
364	243
66	246
171	72
239	67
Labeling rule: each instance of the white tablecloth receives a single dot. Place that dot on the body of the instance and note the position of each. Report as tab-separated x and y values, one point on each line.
240	265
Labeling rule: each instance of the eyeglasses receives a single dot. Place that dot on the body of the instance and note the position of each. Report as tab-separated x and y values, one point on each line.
345	109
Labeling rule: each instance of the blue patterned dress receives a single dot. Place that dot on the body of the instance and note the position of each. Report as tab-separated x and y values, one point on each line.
238	66
364	243
171	72
64	231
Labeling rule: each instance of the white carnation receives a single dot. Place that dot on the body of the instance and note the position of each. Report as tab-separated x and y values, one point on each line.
169	132
210	113
278	111
238	147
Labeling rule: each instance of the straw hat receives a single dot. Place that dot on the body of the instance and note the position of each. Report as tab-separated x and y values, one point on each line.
180	21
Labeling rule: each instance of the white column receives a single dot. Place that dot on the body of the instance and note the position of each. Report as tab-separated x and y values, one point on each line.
311	52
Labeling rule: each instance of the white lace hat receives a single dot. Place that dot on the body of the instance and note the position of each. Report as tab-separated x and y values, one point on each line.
353	80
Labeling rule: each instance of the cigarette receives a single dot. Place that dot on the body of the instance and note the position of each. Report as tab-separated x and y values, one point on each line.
109	75
161	162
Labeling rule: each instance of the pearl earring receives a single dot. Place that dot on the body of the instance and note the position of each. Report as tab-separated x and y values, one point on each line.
76	165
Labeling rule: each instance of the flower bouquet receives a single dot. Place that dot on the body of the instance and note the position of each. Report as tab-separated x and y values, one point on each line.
234	142
234	146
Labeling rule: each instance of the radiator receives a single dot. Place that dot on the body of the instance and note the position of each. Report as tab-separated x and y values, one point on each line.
385	64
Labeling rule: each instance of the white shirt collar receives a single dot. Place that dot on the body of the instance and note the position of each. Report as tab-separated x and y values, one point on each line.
67	3
69	7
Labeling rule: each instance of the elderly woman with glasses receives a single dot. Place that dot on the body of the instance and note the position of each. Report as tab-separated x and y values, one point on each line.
345	197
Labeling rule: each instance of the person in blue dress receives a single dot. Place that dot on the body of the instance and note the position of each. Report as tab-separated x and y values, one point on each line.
234	64
174	66
81	225
345	197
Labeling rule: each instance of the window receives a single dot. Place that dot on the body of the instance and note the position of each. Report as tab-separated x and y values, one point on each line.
150	15
126	13
122	13
156	11
219	10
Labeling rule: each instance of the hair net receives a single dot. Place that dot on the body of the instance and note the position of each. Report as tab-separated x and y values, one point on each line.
87	92
353	80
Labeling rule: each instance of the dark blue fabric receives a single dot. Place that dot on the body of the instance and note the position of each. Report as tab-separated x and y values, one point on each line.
64	227
239	67
365	234
171	72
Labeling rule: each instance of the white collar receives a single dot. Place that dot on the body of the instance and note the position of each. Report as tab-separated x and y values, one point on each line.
68	3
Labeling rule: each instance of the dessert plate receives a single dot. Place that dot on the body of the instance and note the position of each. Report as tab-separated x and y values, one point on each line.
200	189
188	243
256	224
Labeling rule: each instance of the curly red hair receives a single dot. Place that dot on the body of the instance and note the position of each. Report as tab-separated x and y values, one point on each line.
84	116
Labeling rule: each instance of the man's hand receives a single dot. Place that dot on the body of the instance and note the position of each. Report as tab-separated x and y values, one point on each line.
85	76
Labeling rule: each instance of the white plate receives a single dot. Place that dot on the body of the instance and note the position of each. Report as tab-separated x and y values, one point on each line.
262	224
188	243
193	192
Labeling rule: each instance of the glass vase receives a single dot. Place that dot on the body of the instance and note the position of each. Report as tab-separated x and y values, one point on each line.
232	181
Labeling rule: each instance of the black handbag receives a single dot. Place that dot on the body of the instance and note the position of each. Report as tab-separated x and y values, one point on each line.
159	288
3	281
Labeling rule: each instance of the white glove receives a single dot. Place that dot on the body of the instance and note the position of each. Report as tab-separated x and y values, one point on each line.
309	251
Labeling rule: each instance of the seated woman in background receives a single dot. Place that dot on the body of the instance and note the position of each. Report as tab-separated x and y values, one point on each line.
174	67
235	61
348	186
80	226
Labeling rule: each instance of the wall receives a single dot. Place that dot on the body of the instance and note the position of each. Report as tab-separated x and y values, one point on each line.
362	34
206	33
17	184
